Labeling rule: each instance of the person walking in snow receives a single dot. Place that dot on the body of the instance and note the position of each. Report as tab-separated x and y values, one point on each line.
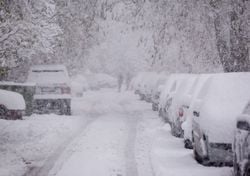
128	79
120	82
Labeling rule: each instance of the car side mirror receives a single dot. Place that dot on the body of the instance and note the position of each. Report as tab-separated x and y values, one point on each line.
243	125
196	114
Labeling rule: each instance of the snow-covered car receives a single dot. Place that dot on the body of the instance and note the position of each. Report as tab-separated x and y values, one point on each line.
79	85
157	89
241	147
167	95
53	92
101	80
12	105
149	85
187	124
156	97
141	83
216	107
181	100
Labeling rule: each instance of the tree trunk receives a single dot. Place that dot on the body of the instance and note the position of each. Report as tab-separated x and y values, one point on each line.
232	43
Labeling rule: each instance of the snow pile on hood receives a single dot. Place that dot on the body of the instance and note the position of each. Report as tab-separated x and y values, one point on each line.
12	100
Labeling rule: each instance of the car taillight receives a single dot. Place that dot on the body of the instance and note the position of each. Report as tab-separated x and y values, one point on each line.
66	90
181	112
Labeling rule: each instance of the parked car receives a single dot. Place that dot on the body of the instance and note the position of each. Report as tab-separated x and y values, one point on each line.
241	147
143	85
27	90
157	88
166	98
156	97
150	85
188	115
53	92
215	110
12	105
181	100
79	85
136	82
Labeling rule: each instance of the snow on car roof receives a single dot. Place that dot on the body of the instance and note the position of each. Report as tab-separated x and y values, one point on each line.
49	67
12	100
16	84
225	98
171	85
186	89
49	74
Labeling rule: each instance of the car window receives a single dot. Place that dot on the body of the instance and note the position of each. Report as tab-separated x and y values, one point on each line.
243	125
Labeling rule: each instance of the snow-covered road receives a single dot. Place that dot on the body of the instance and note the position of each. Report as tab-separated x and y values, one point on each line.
107	146
109	134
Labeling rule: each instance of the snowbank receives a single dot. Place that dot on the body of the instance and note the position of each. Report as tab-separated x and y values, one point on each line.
28	143
170	158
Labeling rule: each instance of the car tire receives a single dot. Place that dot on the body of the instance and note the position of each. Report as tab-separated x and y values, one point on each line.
188	144
200	160
68	111
154	108
3	112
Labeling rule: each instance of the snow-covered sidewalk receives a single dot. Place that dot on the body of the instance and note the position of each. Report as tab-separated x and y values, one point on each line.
169	157
28	143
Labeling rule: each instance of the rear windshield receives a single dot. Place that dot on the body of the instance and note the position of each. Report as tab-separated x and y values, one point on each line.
48	76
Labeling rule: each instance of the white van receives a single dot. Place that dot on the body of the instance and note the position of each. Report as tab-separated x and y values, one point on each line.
215	109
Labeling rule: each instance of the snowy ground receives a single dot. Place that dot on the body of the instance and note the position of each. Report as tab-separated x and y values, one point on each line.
109	134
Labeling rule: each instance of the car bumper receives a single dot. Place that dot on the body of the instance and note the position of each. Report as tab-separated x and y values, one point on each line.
56	106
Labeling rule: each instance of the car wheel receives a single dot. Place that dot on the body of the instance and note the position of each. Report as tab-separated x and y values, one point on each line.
247	170
154	108
237	171
197	156
3	112
201	160
160	112
188	144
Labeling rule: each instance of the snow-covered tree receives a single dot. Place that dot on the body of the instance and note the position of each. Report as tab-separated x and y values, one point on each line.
28	33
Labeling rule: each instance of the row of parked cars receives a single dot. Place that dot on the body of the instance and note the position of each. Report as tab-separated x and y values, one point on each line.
211	112
47	90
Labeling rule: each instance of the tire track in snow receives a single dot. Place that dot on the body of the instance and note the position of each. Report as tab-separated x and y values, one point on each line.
43	170
131	165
